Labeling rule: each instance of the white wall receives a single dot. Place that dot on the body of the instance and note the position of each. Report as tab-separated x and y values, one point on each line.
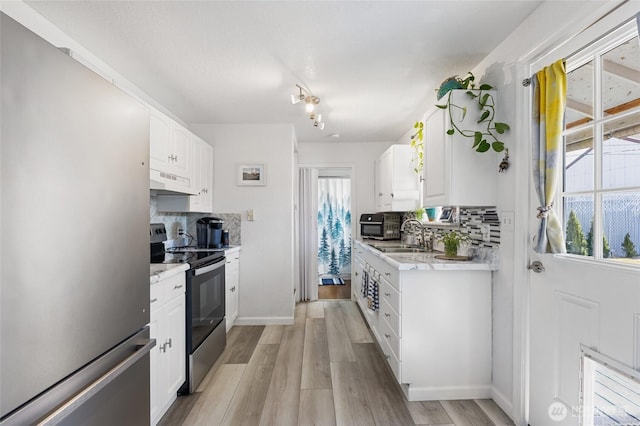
266	272
359	155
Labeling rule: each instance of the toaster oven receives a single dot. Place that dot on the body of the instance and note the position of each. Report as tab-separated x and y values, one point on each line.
380	226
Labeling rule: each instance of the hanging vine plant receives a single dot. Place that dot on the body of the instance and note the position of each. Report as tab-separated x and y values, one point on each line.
487	137
418	145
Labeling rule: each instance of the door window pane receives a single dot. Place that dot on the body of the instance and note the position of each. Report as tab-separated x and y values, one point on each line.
578	161
578	219
621	152
621	225
579	96
620	82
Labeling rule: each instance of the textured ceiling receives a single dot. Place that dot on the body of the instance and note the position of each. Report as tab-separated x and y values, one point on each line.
373	64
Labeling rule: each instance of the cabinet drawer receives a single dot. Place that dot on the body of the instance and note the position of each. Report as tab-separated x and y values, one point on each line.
232	264
391	359
389	273
174	286
391	317
390	294
390	338
385	270
156	295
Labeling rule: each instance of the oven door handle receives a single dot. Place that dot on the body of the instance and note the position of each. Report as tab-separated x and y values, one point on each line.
209	268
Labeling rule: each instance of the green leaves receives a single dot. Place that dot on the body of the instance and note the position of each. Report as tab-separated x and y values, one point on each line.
485	138
501	127
477	139
497	146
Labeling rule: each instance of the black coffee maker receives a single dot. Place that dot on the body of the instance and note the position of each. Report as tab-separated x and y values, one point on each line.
209	232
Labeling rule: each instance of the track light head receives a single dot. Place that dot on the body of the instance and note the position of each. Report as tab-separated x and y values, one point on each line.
297	98
308	104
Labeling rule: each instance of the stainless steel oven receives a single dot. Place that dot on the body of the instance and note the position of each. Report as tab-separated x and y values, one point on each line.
206	328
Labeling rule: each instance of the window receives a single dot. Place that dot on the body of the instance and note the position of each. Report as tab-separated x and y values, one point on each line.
601	185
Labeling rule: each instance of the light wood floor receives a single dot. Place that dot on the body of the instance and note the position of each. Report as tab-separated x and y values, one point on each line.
325	369
335	291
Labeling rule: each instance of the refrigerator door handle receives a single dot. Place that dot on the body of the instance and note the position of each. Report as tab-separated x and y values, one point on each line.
68	407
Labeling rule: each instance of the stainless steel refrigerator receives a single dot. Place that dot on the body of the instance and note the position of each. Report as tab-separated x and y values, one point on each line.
74	301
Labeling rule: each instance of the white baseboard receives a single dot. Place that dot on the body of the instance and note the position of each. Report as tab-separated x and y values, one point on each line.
263	321
503	402
417	393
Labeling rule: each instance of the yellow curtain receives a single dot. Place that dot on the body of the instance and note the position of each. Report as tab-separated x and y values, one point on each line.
549	101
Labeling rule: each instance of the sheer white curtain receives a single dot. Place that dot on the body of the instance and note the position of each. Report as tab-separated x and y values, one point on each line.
307	234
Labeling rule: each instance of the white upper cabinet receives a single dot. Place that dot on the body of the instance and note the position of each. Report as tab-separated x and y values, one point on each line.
396	184
454	173
202	171
170	153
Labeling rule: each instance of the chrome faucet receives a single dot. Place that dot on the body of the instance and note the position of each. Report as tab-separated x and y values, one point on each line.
424	243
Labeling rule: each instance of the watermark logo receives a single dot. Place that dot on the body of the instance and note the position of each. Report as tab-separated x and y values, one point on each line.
557	411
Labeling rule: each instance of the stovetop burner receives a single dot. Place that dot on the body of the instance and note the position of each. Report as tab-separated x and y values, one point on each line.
194	256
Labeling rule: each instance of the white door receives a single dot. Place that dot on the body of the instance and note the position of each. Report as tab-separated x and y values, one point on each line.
589	300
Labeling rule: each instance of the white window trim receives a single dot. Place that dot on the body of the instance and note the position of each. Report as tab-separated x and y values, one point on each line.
593	52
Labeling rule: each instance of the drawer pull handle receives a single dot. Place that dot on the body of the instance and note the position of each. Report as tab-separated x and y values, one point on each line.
168	342
387	294
155	299
387	357
387	335
177	287
356	274
387	273
387	315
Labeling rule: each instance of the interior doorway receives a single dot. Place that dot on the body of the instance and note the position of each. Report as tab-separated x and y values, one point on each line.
334	220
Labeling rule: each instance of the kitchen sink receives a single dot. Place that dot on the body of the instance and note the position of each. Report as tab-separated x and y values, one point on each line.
403	250
380	246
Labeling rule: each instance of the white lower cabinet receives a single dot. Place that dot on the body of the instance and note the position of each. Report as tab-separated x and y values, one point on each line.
433	326
167	326
232	281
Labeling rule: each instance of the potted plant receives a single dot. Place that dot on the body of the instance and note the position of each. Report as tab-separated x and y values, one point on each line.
452	241
483	139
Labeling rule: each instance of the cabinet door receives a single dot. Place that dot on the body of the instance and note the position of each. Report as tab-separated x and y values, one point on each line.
159	141
181	150
435	167
206	199
455	174
195	201
383	180
232	280
156	374
176	347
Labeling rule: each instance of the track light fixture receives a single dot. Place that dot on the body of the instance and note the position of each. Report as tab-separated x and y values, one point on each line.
297	98
310	102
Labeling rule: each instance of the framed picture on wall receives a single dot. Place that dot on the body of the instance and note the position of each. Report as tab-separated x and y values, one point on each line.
251	174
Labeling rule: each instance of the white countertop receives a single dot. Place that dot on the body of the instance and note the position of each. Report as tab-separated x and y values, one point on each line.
231	249
426	261
160	271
